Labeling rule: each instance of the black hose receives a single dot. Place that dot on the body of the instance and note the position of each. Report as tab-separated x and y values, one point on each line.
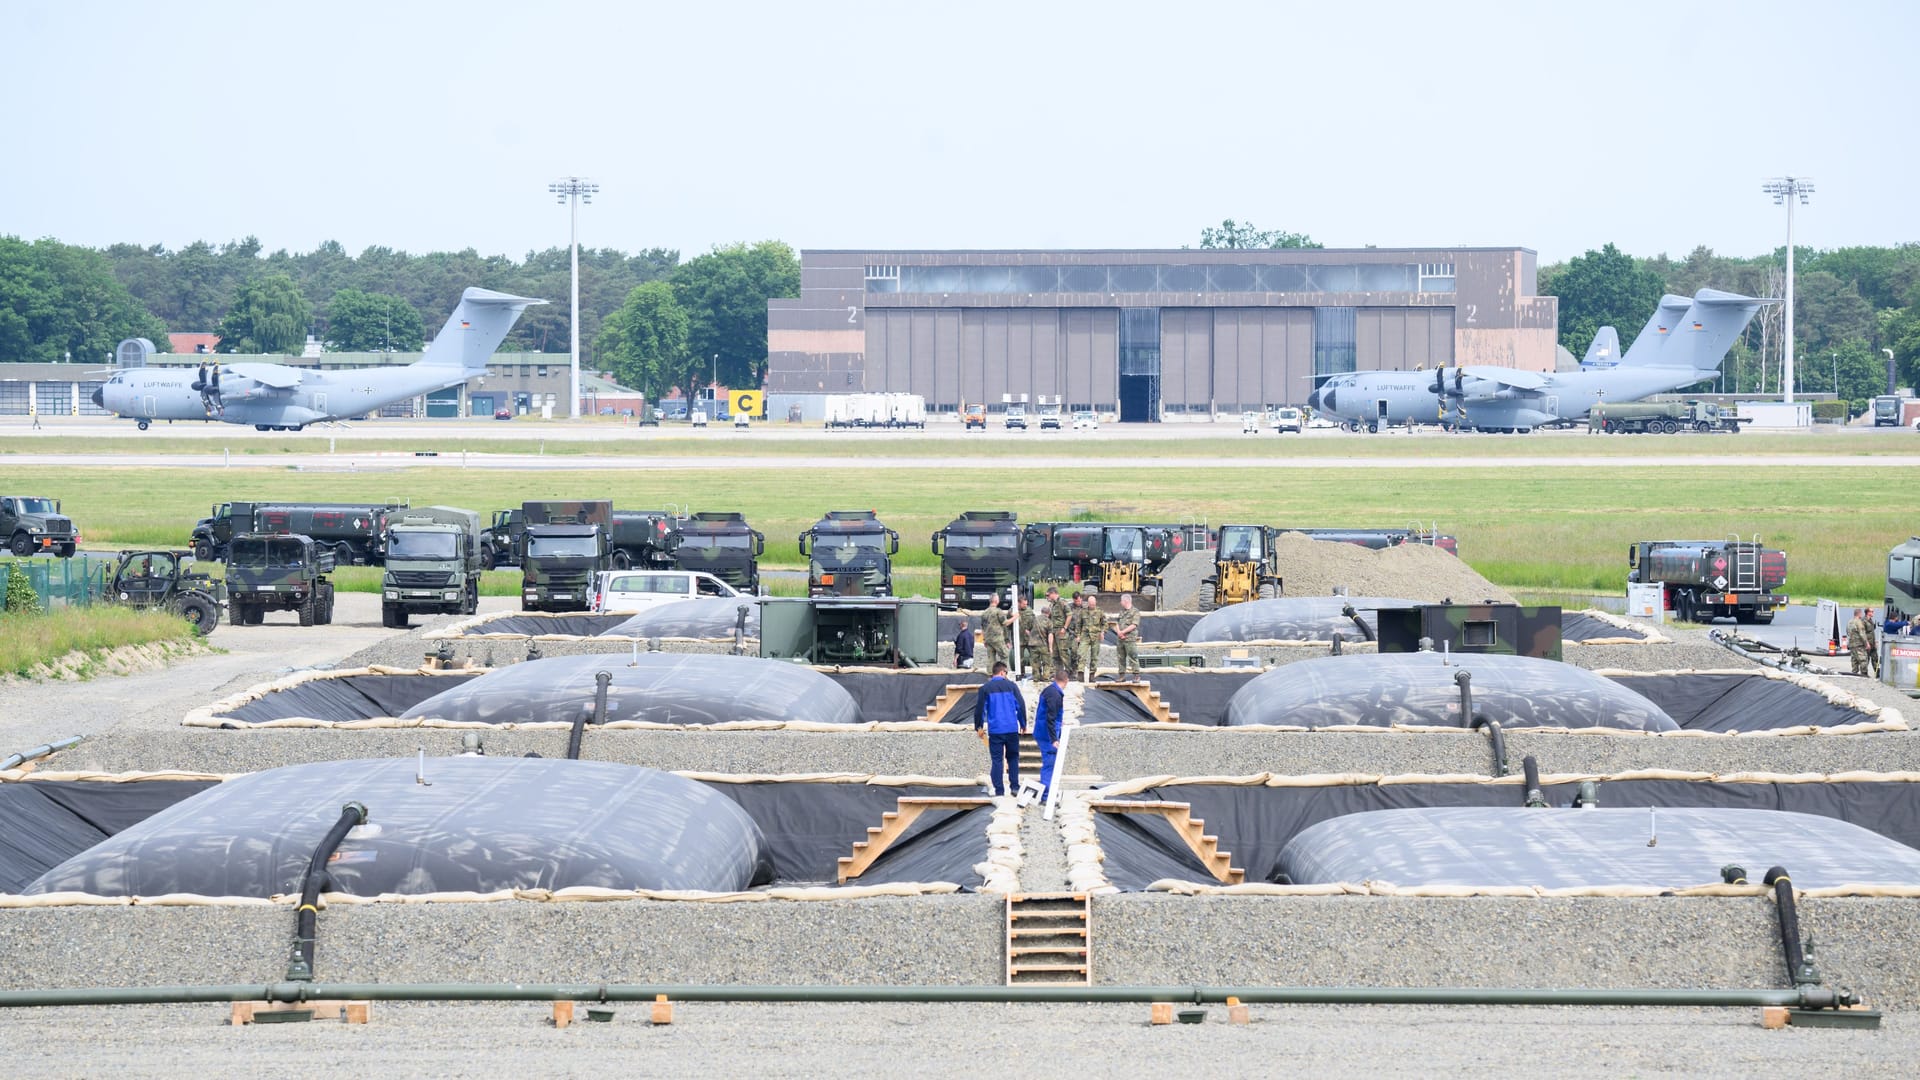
1499	737
598	714
1366	632
1797	967
308	914
1536	799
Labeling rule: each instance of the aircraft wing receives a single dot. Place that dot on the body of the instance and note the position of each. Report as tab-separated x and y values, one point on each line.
277	376
1519	380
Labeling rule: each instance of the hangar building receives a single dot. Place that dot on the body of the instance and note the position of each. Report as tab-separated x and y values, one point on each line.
1145	335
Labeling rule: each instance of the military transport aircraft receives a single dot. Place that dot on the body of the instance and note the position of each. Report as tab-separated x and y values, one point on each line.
1681	345
276	397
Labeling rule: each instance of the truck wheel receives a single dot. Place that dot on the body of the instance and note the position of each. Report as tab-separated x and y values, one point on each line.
306	610
325	613
21	545
487	560
1209	596
256	614
472	604
65	551
1703	427
1268	591
203	551
622	560
236	612
201	613
1764	618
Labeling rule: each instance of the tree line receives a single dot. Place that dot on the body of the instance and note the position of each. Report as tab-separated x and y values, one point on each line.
654	322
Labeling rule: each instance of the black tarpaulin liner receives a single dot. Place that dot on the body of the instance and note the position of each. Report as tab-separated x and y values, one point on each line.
1736	702
1255	822
1200	697
808	826
43	823
905	695
1140	849
1598	848
698	617
1294	618
481	825
1419	689
1575	626
1112	707
539	624
945	848
660	688
346	697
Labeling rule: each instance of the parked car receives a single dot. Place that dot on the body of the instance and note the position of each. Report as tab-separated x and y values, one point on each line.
1085	420
698	417
740	422
1287	419
503	414
632	590
975	417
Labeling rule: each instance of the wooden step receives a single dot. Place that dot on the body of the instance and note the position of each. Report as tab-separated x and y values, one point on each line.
1048	939
1042	931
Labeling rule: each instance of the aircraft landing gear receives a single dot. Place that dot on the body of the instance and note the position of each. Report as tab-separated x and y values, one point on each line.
143	424
263	427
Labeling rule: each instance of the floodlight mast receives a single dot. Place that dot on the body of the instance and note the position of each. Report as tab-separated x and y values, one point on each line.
1786	190
574	190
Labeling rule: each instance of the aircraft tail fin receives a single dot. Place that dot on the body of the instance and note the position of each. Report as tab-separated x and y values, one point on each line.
1605	350
1693	333
476	328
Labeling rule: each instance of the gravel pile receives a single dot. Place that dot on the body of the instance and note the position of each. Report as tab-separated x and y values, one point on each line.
1309	567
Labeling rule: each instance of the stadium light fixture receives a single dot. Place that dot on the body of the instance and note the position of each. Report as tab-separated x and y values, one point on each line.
574	190
1787	190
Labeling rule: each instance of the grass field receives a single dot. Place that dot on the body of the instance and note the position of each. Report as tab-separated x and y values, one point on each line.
618	441
27	640
1563	529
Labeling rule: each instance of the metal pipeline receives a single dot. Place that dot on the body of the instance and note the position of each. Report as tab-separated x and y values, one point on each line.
300	964
1805	997
601	679
1535	799
1798	968
14	761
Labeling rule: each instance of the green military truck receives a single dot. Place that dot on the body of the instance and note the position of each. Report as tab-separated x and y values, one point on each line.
979	557
563	548
33	525
433	564
849	553
279	572
1661	417
721	543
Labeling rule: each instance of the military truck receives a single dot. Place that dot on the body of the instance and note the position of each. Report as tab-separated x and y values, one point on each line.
279	572
433	565
1708	579
31	524
724	545
563	547
500	541
849	553
644	539
1116	558
1903	580
163	579
352	530
1661	417
979	557
1242	567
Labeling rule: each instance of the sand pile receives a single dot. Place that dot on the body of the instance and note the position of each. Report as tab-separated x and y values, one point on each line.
1309	567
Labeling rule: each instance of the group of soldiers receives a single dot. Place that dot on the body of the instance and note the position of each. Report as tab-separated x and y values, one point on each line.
1065	638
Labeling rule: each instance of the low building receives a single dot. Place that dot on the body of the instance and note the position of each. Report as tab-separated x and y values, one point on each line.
1144	334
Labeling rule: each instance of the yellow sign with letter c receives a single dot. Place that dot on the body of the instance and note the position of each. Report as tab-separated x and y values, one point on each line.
746	402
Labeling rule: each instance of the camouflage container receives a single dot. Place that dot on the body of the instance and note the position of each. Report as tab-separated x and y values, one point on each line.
1499	629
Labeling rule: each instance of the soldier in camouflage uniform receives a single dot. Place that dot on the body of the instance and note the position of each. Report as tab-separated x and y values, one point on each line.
1071	635
1057	618
1033	639
1093	627
993	632
1860	642
1126	632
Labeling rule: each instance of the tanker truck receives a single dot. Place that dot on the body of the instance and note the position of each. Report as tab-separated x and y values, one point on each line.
1704	580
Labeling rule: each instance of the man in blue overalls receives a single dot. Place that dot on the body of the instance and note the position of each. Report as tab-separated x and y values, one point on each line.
1000	718
1049	722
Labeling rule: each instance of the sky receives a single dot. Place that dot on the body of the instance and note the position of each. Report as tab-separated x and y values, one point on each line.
431	126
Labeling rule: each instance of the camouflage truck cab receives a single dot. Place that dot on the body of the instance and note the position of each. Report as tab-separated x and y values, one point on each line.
279	572
433	565
979	557
31	525
562	550
849	553
724	545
